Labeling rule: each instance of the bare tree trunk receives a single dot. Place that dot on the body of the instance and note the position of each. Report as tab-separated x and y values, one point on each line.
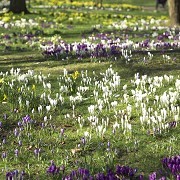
174	11
18	6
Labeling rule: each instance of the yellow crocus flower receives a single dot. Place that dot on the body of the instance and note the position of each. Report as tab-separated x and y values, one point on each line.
33	87
5	97
2	81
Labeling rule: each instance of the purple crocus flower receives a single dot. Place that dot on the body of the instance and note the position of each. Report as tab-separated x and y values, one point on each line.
162	178
83	140
67	178
15	173
178	177
111	175
4	155
125	171
52	169
22	175
146	43
174	170
73	174
26	119
152	176
166	34
83	172
16	152
172	124
173	164
160	37
19	124
6	36
16	133
100	176
37	151
141	177
9	176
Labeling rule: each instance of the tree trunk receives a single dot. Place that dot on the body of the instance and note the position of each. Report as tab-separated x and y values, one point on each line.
174	11
18	6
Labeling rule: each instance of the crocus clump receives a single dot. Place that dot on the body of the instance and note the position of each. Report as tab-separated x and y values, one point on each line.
125	171
81	173
110	175
172	164
120	173
26	119
15	175
106	46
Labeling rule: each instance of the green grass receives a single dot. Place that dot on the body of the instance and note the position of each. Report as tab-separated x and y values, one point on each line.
146	154
134	2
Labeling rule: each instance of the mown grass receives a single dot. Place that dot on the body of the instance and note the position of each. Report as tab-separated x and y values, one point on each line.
150	149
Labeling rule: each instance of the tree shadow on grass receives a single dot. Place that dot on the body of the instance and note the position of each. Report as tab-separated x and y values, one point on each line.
156	67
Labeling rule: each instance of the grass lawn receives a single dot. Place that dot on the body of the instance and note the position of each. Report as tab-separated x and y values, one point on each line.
91	91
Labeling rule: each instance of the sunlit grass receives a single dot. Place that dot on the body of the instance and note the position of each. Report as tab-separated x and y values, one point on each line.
54	103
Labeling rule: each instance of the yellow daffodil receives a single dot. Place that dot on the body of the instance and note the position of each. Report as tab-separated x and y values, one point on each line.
75	75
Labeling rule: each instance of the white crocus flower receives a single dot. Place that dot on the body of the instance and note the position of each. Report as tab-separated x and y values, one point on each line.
48	108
